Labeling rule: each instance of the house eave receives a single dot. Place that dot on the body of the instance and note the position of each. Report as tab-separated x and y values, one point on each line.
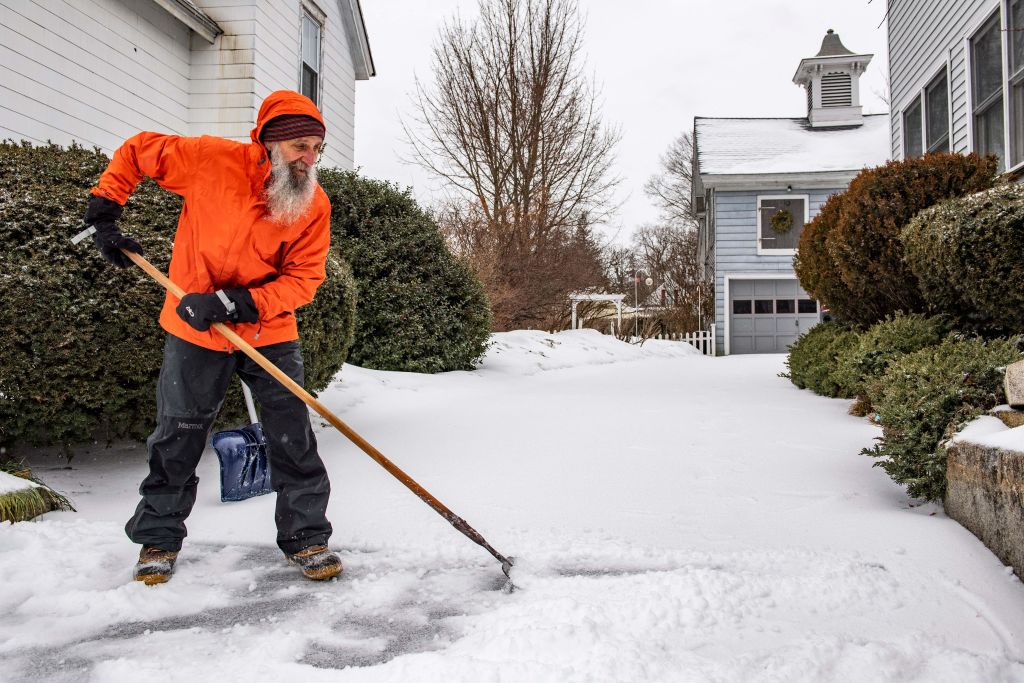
355	27
193	17
817	180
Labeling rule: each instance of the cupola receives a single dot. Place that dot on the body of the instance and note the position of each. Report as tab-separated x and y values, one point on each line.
832	79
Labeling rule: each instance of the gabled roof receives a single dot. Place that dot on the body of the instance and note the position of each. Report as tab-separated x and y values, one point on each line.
735	146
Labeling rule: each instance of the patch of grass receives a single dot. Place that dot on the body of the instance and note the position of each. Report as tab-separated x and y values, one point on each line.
25	504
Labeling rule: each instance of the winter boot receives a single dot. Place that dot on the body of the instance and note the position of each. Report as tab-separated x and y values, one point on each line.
155	565
317	562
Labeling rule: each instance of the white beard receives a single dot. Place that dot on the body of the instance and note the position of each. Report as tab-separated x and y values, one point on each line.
288	195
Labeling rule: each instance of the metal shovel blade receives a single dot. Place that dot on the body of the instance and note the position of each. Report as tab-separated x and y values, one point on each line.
244	469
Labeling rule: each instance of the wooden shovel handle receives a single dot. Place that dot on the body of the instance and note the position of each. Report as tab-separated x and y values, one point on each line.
320	408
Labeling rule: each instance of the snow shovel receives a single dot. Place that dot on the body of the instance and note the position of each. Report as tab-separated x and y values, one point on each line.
242	452
460	524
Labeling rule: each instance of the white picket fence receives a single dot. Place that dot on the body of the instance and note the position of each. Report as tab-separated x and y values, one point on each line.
702	340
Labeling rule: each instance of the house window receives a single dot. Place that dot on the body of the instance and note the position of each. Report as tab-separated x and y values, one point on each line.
936	106
309	78
912	130
1016	34
987	95
780	220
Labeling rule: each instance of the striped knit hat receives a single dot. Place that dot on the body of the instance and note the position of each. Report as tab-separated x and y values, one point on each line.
291	126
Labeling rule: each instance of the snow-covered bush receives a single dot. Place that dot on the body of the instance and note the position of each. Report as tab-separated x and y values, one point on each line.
420	309
815	356
80	345
966	253
925	396
880	345
857	240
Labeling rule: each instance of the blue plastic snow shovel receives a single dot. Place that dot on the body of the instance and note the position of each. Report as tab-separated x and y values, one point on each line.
244	470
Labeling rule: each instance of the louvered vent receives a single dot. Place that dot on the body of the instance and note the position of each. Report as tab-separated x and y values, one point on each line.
810	97
836	90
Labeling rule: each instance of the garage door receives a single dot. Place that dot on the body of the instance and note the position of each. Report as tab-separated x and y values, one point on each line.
766	316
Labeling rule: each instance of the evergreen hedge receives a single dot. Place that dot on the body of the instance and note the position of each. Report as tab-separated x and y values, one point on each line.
80	343
881	344
924	397
815	357
420	309
861	245
966	253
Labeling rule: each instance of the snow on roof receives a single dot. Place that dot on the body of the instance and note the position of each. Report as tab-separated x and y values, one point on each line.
762	146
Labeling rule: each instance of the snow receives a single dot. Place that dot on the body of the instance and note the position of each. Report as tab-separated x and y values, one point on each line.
10	483
987	430
674	518
728	146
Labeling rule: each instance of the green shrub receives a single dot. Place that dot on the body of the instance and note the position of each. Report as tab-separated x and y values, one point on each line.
862	245
884	342
925	396
966	253
80	339
814	357
420	309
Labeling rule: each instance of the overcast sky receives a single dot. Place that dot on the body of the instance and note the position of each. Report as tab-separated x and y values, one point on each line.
659	63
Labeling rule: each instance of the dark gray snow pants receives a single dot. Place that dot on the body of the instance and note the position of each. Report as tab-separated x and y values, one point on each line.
190	391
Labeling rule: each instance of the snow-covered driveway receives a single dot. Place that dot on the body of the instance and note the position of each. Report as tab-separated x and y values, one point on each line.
676	518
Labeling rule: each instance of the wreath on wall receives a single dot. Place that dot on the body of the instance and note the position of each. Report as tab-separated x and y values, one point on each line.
782	221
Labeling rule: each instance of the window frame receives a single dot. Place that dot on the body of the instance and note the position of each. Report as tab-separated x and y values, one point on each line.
768	251
1013	77
307	10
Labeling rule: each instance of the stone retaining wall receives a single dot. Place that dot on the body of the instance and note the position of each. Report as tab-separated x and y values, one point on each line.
985	493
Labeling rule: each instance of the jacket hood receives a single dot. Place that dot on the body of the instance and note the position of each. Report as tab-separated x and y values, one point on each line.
282	102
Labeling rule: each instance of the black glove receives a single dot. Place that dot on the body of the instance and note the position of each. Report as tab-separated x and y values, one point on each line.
103	214
202	310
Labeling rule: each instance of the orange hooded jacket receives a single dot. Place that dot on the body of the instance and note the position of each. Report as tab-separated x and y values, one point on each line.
224	239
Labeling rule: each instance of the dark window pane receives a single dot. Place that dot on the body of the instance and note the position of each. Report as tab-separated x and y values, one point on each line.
988	131
937	107
741	307
807	306
1017	116
1016	35
763	306
785	306
912	130
987	61
309	79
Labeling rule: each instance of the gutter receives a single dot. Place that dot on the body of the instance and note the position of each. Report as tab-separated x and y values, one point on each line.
193	17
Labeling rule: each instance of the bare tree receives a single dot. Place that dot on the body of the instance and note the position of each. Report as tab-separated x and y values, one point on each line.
669	254
670	187
511	124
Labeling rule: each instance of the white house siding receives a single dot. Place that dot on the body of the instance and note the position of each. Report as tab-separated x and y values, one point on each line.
91	71
735	242
925	35
278	26
222	99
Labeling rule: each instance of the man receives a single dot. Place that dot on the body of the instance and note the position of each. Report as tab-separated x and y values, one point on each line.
250	248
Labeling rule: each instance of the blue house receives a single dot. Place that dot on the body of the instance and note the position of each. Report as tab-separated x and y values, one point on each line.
758	181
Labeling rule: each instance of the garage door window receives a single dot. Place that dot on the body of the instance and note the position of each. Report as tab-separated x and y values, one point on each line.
807	306
742	307
763	306
785	306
